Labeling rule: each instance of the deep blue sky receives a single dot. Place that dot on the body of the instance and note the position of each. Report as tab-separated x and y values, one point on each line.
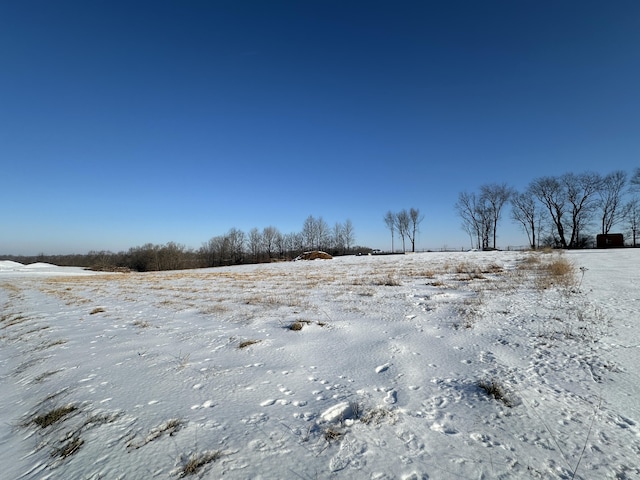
126	122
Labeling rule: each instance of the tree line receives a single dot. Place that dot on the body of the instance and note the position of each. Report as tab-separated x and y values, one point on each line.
558	211
232	248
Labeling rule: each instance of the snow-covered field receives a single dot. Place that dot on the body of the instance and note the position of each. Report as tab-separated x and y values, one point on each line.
167	375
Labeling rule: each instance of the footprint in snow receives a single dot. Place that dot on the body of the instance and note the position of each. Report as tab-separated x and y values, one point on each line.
383	368
391	398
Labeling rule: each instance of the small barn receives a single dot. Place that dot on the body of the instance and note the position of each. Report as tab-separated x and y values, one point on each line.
610	240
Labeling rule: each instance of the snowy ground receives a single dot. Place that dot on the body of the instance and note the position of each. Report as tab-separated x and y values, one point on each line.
167	375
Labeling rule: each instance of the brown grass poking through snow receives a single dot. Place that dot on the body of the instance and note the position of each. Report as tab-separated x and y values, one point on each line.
248	343
556	272
495	390
53	416
198	460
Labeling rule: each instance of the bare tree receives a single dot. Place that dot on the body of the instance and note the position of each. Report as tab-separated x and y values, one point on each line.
337	238
269	238
348	235
549	191
494	197
415	220
570	201
526	211
254	242
634	182
476	219
632	218
403	223
581	191
315	233
390	221
610	201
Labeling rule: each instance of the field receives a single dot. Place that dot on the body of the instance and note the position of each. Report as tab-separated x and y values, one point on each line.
438	365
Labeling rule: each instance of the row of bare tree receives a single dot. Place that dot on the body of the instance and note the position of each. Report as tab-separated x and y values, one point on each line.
232	248
560	211
406	223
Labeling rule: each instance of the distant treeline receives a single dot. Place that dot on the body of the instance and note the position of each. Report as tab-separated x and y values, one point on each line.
233	248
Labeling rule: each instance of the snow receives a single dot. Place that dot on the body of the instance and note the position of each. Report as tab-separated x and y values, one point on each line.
160	375
41	268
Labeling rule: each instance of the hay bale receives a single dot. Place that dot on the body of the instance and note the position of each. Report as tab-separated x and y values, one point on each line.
314	255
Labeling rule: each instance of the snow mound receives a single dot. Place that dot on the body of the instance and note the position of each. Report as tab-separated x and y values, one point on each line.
10	265
40	265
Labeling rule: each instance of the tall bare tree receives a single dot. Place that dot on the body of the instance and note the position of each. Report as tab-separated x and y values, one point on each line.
581	190
476	219
337	238
403	224
315	232
390	222
610	201
526	211
254	242
348	234
570	200
634	182
549	191
415	221
632	217
269	238
494	197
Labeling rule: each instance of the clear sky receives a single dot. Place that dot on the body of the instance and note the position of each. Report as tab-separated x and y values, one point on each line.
127	122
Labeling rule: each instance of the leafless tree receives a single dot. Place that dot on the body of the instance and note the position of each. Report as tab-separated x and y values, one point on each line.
493	197
526	211
581	192
610	201
254	242
476	219
403	225
415	220
348	234
634	182
632	218
390	222
570	200
235	240
337	238
549	191
315	233
269	238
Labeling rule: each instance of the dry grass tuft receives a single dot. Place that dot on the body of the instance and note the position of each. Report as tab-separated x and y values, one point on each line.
196	461
557	272
69	448
387	281
378	415
331	434
248	343
53	416
495	390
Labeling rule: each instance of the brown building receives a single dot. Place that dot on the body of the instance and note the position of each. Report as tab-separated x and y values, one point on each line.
610	240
